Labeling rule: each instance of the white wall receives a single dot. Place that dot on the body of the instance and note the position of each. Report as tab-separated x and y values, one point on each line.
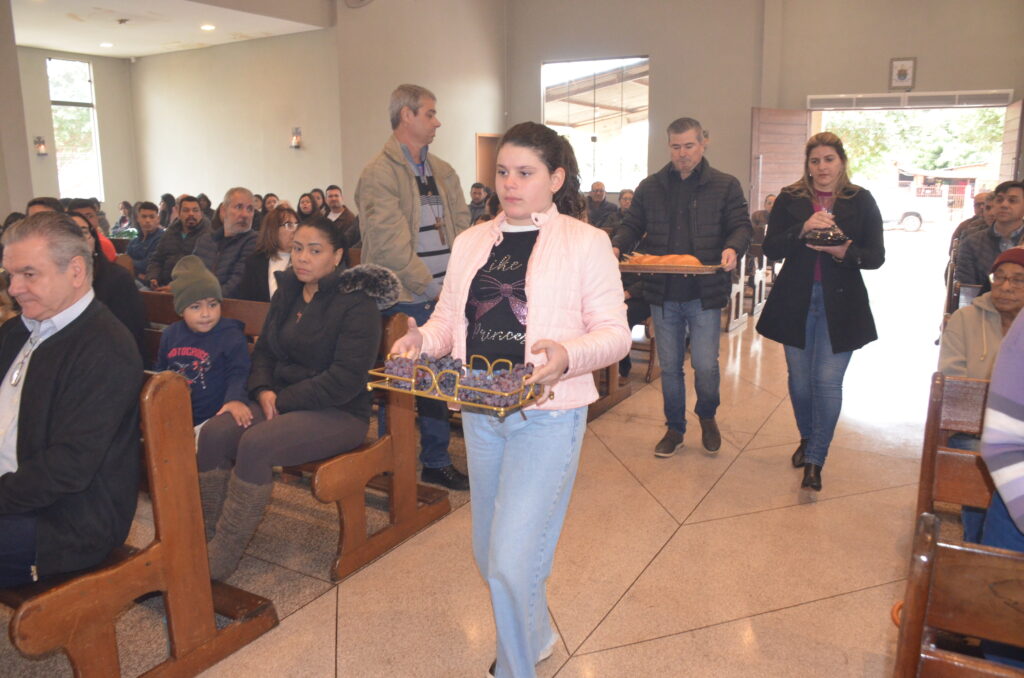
112	87
455	48
15	179
705	62
714	61
836	48
213	118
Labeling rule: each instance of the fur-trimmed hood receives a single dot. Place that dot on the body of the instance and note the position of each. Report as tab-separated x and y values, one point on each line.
377	282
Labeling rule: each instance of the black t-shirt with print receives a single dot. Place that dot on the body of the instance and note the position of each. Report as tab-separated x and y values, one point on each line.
496	309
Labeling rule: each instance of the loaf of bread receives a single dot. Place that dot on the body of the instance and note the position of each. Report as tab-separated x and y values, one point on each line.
665	260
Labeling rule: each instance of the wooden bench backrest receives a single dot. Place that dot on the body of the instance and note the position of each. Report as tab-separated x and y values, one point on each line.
969	589
956	405
160	310
125	262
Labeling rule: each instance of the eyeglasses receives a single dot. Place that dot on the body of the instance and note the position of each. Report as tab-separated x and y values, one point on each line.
1016	283
290	225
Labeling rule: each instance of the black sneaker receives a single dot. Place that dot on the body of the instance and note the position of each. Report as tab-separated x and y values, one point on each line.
447	476
666	447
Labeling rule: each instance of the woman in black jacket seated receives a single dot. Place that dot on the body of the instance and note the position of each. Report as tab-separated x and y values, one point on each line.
273	254
308	381
827	230
114	286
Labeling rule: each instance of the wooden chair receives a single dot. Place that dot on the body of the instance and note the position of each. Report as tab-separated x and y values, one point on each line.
650	347
77	613
758	279
956	405
972	590
736	315
125	262
387	465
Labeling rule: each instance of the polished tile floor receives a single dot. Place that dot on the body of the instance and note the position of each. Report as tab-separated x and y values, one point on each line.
696	565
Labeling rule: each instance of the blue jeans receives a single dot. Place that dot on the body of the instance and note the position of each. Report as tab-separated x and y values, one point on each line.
816	382
522	474
973	519
17	548
673	321
433	420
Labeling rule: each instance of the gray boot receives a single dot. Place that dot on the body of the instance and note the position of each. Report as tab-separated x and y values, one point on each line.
241	515
213	487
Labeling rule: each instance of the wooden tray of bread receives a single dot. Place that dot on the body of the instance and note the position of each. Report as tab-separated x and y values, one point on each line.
685	264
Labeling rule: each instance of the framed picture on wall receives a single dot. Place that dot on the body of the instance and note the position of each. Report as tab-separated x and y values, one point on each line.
902	71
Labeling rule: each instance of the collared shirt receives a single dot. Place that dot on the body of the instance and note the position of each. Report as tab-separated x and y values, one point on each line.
10	394
1010	240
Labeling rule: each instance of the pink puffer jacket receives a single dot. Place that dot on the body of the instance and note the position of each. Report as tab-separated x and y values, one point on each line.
575	297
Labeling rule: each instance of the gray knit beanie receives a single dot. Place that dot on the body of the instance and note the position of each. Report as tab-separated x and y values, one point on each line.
191	281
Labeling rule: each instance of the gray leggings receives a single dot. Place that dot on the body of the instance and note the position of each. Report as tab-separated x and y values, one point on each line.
286	440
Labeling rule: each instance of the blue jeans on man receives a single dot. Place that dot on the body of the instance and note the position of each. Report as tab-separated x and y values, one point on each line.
674	321
435	430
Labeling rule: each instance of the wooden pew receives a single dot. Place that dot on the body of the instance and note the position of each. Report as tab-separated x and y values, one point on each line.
77	613
956	405
966	589
385	465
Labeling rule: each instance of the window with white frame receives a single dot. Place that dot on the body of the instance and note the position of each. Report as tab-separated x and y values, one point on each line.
75	137
602	107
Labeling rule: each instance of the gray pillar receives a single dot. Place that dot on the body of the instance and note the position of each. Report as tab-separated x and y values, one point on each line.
15	171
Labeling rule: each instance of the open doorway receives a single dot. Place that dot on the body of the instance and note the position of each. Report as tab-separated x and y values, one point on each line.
924	166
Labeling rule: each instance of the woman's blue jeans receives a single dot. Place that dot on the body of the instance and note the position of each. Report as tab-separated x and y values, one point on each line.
674	321
816	382
522	473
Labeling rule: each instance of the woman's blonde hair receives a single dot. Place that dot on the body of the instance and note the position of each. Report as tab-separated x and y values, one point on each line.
803	188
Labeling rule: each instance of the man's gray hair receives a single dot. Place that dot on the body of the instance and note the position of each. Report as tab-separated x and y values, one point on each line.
63	237
681	125
407	95
236	189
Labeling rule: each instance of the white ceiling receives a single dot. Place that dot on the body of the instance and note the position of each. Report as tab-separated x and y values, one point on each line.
152	27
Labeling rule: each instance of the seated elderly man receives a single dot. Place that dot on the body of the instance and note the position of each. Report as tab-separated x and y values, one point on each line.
971	342
972	336
69	412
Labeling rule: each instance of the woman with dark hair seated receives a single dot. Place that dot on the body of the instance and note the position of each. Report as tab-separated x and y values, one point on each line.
308	381
306	207
114	285
273	254
319	201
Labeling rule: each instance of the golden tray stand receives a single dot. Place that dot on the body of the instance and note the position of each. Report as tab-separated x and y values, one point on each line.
627	267
527	395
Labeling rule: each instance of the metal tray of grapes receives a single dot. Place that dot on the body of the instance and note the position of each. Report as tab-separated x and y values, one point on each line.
480	386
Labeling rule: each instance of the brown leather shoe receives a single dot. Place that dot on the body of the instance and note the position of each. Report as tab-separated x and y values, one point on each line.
709	435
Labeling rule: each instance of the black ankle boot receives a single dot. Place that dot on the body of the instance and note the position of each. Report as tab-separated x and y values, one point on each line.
812	476
798	456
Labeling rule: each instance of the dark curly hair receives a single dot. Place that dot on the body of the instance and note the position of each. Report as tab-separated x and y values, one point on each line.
556	152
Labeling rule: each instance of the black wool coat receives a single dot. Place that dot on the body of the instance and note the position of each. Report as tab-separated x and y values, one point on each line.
850	323
78	438
327	367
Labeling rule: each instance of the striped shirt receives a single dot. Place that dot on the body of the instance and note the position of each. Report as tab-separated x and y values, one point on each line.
1002	443
430	245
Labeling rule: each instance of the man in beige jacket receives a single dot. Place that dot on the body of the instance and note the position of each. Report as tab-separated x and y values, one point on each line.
411	207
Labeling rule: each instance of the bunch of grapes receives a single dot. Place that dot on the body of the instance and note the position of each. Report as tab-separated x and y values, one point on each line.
452	377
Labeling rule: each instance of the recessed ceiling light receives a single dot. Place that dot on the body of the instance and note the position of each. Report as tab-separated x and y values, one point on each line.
207	27
106	44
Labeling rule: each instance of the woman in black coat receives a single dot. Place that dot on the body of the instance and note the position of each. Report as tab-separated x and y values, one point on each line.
273	254
308	381
114	286
827	230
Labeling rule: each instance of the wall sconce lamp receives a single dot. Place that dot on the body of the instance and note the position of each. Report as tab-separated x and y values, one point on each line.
296	141
40	145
